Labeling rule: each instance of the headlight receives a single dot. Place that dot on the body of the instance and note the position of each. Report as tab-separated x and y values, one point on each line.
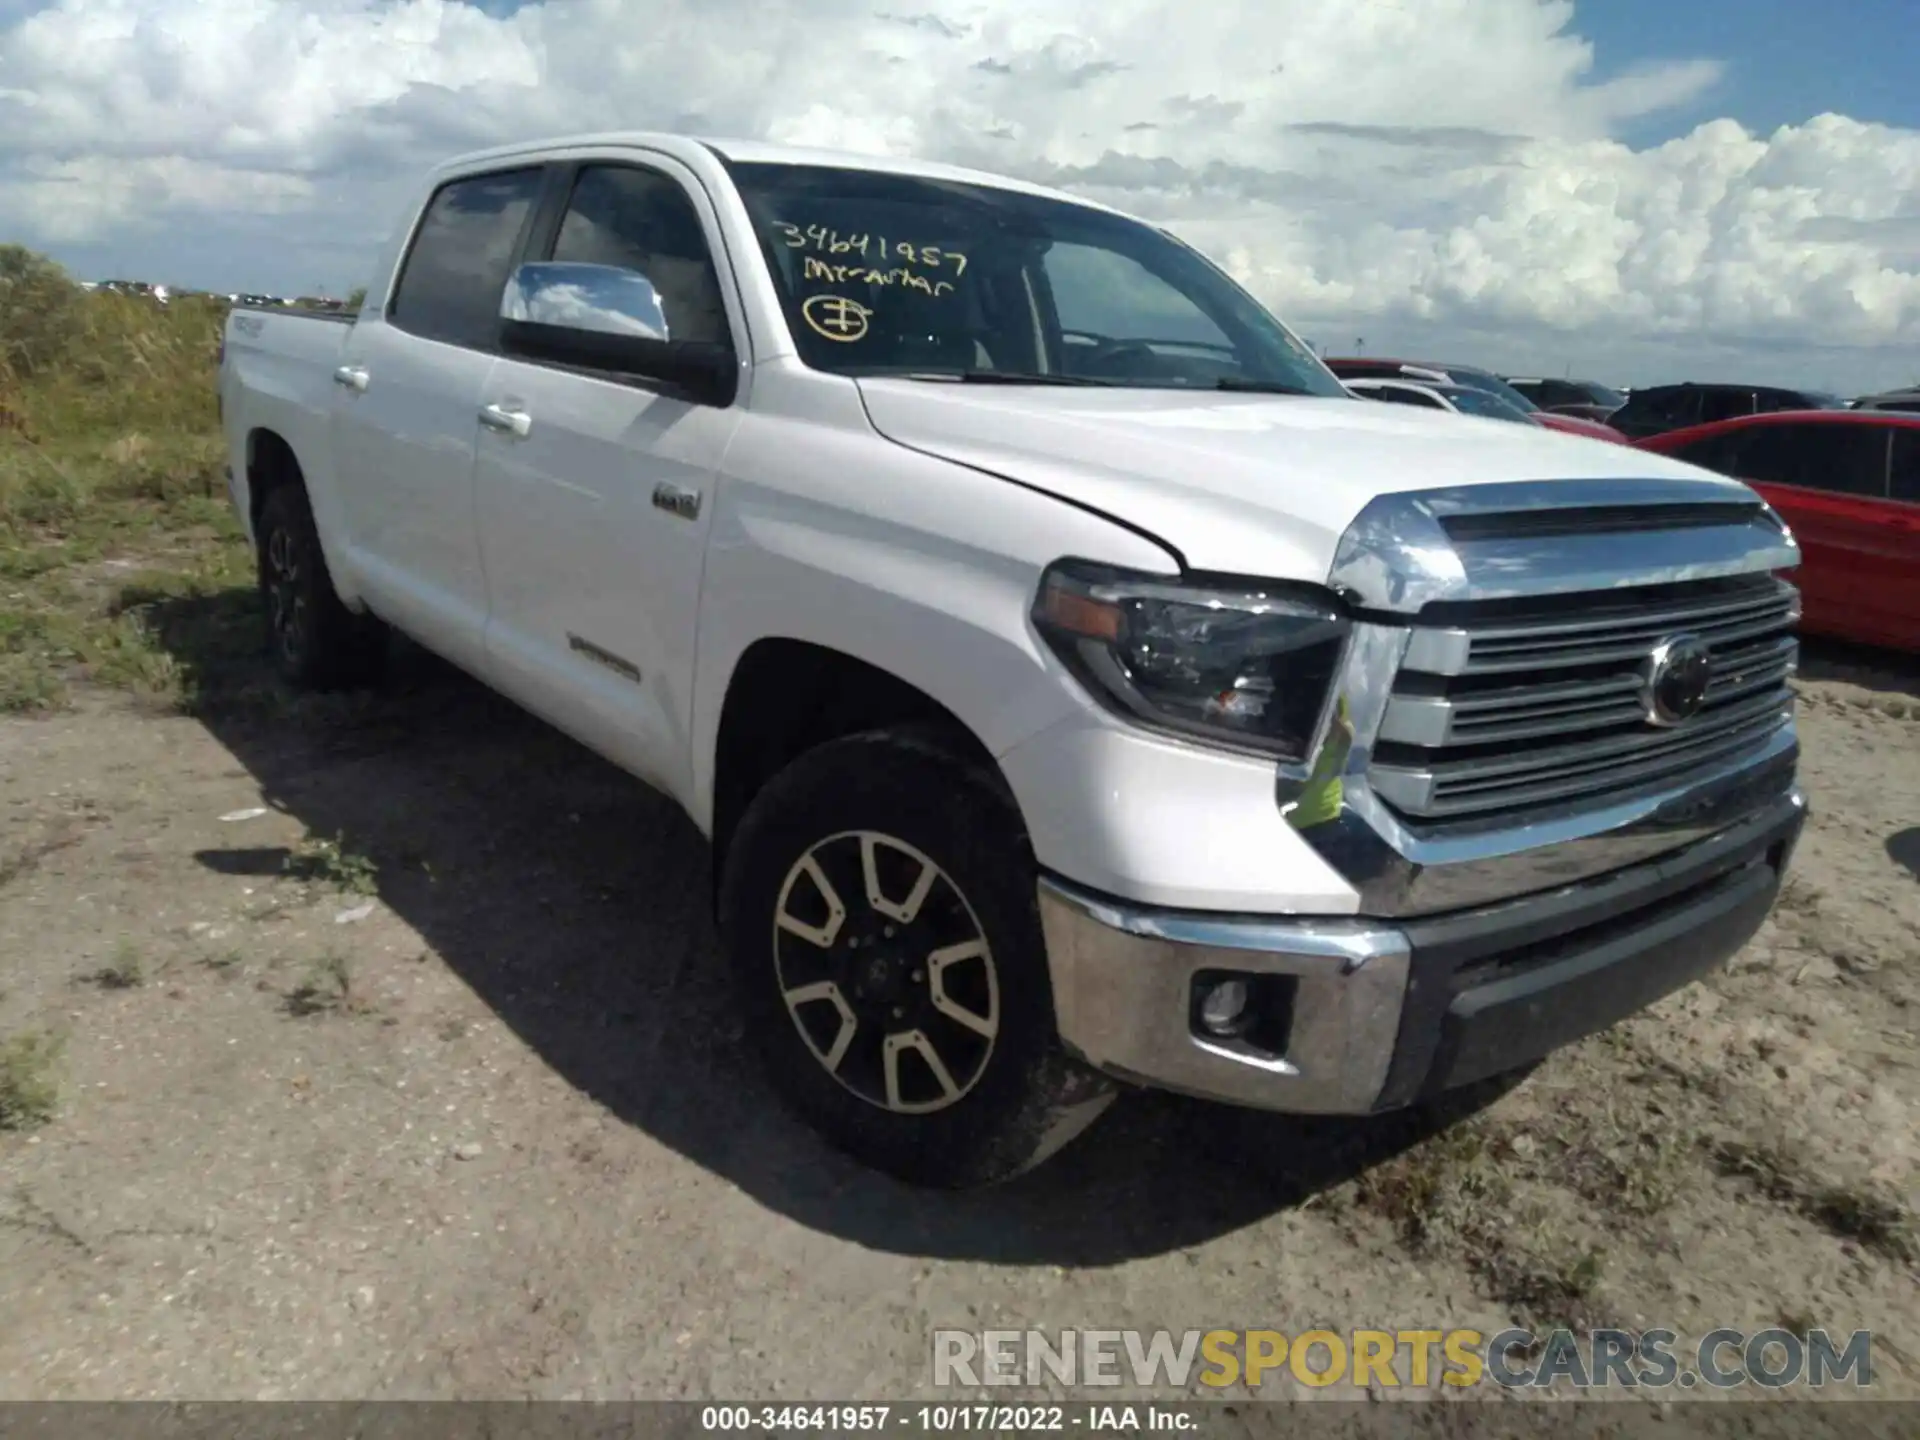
1247	666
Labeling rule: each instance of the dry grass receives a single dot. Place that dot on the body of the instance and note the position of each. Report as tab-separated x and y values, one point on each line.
29	1089
1852	1209
113	517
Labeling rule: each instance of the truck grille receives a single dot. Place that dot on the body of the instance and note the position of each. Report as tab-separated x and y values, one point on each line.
1512	706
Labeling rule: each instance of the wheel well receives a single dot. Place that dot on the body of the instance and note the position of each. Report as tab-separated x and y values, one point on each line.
270	464
787	697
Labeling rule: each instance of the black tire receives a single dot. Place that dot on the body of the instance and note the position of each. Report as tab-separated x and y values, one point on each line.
316	642
1008	1101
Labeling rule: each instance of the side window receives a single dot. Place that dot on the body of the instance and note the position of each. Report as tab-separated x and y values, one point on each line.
1675	408
1557	392
456	271
641	221
1906	466
1724	453
1840	459
1725	404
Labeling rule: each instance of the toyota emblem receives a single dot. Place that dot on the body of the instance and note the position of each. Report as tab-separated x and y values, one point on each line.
1675	679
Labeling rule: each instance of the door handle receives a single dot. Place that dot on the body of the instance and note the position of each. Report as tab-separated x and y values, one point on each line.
508	422
676	500
351	376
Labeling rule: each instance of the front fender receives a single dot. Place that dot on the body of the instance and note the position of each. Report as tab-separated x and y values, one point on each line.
920	567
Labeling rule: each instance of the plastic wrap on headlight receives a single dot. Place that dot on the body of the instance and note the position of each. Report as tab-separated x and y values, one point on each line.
1244	665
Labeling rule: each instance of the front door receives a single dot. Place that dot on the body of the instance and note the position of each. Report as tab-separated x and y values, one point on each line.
595	494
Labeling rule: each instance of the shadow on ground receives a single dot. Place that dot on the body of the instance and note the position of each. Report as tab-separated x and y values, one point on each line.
1903	848
575	902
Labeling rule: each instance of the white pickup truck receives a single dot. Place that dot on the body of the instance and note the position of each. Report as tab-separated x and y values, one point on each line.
1079	687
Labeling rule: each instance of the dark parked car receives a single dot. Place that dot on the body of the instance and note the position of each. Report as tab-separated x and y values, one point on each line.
1660	408
1588	399
1848	482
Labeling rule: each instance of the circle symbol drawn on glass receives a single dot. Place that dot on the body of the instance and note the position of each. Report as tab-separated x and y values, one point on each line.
836	317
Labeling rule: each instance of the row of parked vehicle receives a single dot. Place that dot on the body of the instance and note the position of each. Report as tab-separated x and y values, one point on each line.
1845	475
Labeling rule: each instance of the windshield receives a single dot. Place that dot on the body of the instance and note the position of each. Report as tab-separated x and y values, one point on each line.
1470	401
1488	384
892	274
1599	394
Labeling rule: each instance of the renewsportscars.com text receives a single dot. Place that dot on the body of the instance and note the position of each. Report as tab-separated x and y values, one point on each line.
1172	1360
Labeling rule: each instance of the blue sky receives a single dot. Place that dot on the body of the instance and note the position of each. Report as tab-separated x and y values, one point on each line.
1637	190
1785	61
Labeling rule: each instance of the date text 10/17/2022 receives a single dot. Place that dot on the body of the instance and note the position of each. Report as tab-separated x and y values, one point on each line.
948	1419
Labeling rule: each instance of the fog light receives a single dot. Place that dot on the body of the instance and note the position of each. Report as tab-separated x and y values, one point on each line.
1224	1006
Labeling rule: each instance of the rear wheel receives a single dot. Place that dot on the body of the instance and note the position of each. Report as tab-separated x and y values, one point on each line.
879	912
316	642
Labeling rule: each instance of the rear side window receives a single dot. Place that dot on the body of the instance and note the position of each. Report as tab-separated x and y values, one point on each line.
1906	466
456	272
1721	453
1727	404
1839	459
1672	408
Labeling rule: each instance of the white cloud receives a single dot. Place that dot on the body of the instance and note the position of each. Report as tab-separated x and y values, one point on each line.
1421	169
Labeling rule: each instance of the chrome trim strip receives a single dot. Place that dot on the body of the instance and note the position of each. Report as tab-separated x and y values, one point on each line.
1397	556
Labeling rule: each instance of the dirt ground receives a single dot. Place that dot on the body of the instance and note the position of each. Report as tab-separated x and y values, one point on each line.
381	1050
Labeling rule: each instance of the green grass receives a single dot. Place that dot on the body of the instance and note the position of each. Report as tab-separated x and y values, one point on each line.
29	1090
123	972
120	563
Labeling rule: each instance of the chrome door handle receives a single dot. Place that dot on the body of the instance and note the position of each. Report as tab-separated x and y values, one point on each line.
351	376
676	500
507	422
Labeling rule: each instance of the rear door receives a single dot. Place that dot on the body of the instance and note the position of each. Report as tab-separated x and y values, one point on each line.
406	421
1830	482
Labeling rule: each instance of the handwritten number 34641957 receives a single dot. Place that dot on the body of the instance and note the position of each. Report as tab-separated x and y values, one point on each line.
870	247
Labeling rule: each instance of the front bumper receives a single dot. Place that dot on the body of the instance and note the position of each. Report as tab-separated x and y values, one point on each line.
1355	1016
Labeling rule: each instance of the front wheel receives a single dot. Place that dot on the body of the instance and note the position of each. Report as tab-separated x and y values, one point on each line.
879	912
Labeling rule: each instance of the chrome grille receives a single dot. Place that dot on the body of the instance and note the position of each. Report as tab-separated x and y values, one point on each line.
1510	706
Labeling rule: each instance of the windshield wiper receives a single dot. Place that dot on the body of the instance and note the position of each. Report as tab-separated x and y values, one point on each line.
1259	387
999	377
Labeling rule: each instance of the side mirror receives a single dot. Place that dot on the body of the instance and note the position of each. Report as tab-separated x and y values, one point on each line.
609	319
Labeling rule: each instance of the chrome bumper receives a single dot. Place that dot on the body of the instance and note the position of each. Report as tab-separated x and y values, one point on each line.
1386	1013
1123	978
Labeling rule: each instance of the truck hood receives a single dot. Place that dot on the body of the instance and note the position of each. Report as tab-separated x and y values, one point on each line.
1237	484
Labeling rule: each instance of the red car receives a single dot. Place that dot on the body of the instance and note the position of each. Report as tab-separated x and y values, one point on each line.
1356	367
1848	482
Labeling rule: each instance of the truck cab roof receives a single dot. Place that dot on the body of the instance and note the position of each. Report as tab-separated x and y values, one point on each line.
693	149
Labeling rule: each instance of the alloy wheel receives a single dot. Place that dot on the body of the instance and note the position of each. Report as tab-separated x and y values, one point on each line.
886	972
